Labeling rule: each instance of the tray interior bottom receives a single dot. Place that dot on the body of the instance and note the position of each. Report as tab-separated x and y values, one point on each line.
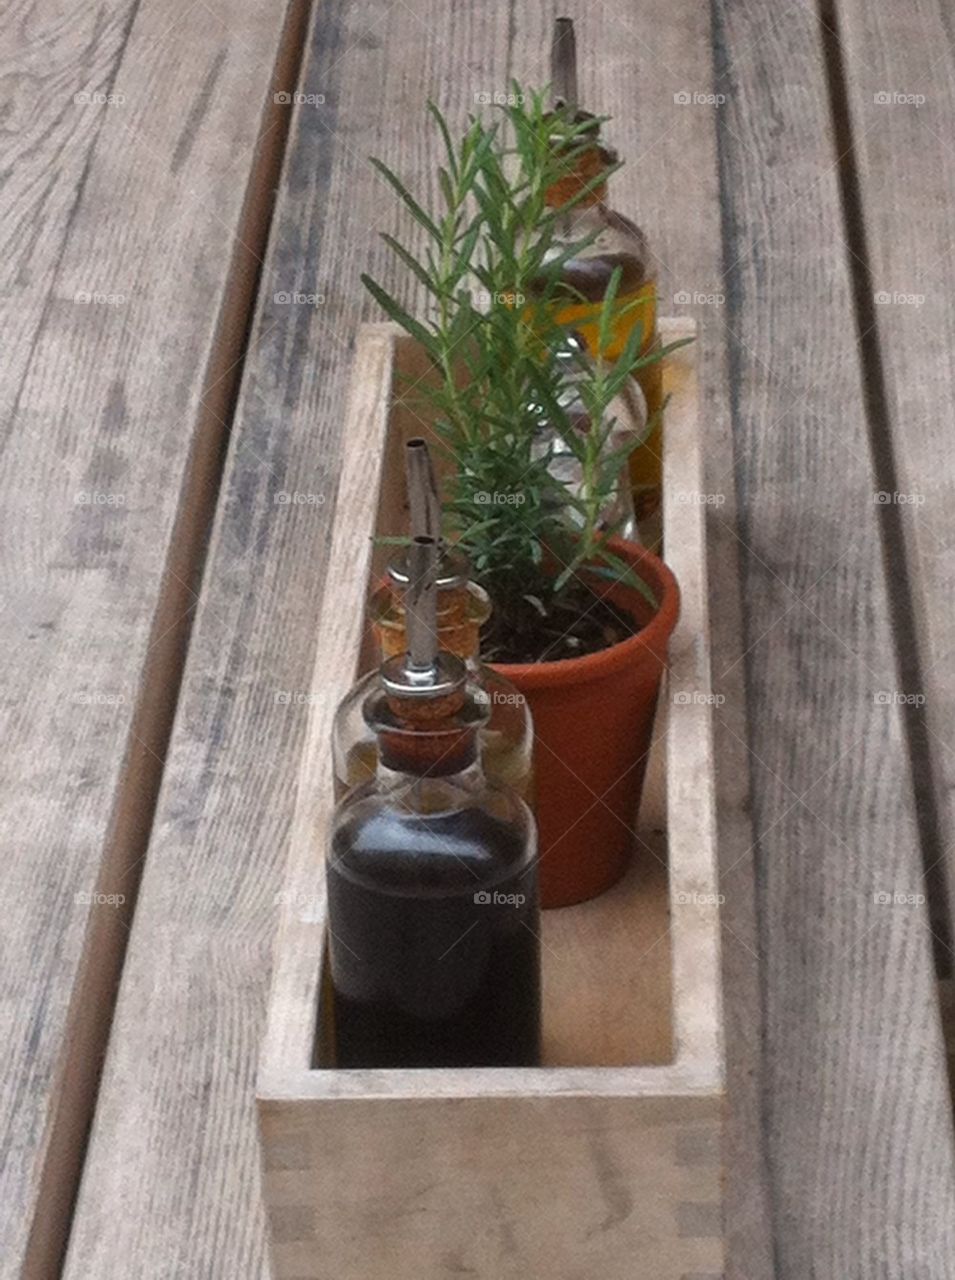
607	972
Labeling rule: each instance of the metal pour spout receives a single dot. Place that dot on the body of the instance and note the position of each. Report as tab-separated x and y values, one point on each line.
423	671
421	605
563	66
423	501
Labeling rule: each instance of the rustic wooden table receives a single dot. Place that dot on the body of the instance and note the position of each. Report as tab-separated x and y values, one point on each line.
182	252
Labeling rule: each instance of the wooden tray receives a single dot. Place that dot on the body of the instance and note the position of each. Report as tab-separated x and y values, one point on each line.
604	1164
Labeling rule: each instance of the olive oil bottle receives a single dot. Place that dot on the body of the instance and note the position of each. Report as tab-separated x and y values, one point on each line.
563	462
432	880
617	243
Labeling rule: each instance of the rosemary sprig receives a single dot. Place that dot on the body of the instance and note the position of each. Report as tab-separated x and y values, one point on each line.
490	267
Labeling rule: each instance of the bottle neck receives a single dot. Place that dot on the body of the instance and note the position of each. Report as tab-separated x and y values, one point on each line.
424	736
425	754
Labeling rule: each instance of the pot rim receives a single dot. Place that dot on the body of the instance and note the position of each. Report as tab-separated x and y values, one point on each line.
652	636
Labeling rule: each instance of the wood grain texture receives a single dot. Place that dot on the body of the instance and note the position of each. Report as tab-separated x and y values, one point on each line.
55	59
856	1107
607	972
130	279
898	66
499	1187
172	1175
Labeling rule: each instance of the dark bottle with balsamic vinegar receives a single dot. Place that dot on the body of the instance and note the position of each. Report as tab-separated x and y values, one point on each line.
432	881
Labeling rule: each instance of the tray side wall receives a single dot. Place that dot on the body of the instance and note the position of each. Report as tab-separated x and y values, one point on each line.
341	637
685	726
503	1187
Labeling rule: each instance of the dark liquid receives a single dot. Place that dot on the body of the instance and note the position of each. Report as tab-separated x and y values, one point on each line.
423	974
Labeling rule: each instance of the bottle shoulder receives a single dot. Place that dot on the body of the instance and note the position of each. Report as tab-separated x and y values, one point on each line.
353	700
618	244
384	839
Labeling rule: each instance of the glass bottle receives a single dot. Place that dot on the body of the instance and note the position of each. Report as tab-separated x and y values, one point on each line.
628	422
617	243
507	735
433	912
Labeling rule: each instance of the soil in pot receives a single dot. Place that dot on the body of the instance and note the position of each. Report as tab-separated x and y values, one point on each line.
593	726
580	622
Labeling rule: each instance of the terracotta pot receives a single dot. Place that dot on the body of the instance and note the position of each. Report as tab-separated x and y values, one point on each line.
593	724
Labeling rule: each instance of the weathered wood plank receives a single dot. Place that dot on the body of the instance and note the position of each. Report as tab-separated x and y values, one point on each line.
898	66
615	1187
131	227
855	1103
56	67
172	1177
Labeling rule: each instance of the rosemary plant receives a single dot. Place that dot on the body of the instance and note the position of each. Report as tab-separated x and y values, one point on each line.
490	271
